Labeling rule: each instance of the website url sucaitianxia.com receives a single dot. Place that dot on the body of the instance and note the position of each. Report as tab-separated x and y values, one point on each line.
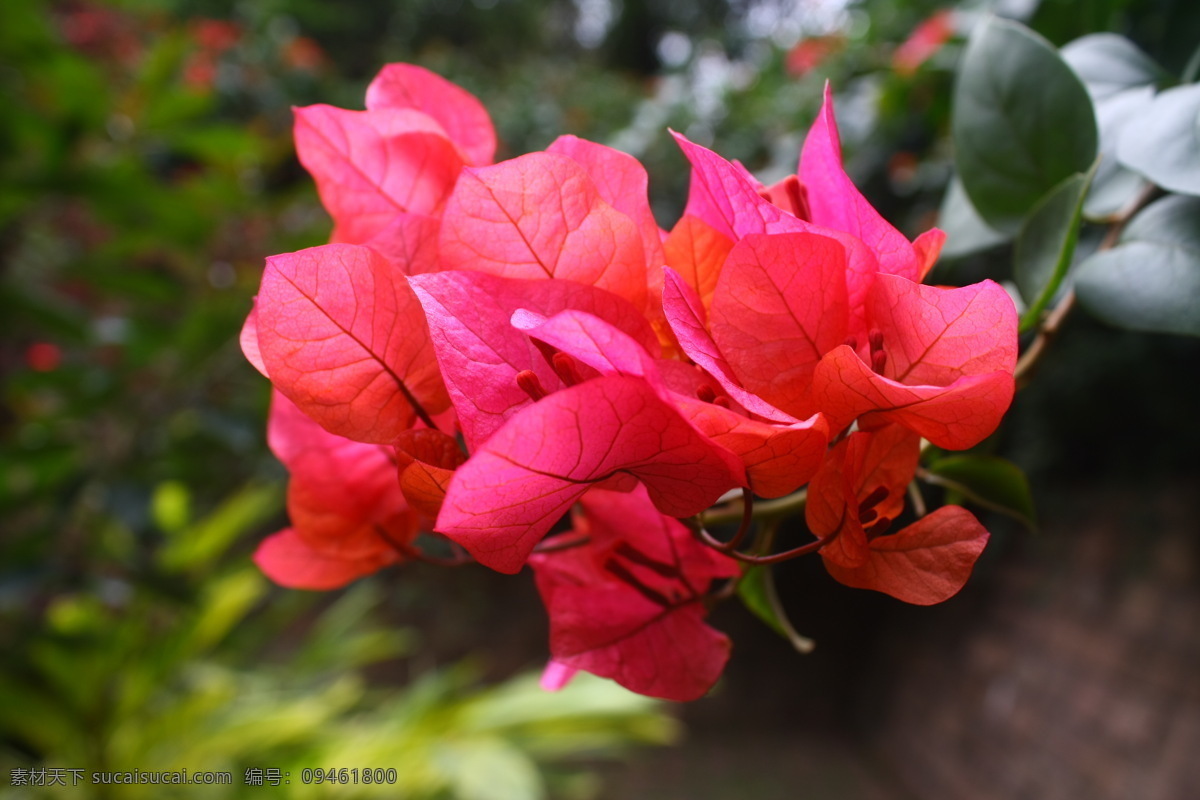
55	776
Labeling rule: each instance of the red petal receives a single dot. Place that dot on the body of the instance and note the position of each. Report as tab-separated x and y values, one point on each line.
955	417
372	165
541	216
409	243
622	182
510	492
925	563
778	458
935	336
288	561
780	305
343	336
459	113
685	313
426	460
627	604
872	466
342	498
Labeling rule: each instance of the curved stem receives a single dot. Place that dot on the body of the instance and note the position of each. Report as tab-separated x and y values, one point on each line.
768	509
1054	320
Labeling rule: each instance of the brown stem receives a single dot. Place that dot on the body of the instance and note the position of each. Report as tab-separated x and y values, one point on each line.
1054	320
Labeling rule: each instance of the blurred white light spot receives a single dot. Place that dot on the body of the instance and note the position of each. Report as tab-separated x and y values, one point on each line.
674	49
594	19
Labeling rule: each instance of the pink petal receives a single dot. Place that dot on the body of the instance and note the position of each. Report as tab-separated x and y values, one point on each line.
511	491
778	458
372	165
955	417
248	339
685	314
541	216
725	197
627	604
341	493
780	305
460	114
622	182
288	561
592	341
479	351
835	202
343	336
409	243
556	676
934	335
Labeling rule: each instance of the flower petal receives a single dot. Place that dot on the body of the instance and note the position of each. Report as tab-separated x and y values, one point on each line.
343	336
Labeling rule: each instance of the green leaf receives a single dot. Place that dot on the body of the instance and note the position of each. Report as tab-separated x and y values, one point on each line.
1163	142
965	230
993	483
1115	187
756	588
1046	245
1022	122
1109	64
200	544
1151	280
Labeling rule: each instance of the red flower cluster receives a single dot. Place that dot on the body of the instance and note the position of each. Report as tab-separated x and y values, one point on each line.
486	347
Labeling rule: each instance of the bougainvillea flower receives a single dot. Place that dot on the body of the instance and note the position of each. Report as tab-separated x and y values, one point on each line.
778	457
629	604
727	199
348	516
609	431
342	335
937	361
855	497
481	353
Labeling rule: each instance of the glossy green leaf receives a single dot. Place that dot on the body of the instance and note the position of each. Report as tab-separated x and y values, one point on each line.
1046	245
1163	142
1109	64
756	588
1151	280
993	483
966	232
1023	122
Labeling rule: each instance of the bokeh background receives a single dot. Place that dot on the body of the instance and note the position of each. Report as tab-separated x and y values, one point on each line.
146	170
